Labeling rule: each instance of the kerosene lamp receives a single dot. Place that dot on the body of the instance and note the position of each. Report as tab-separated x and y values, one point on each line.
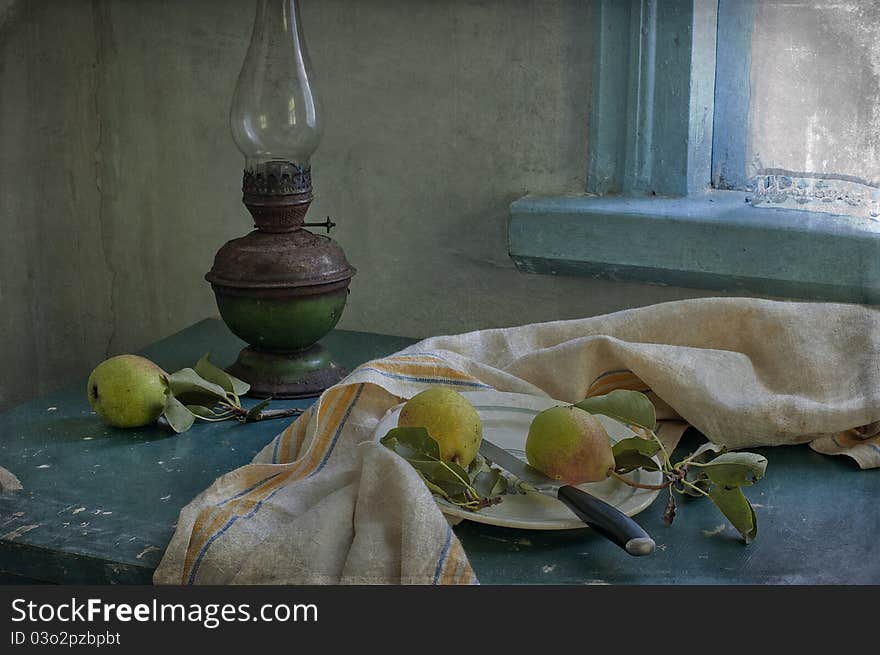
280	288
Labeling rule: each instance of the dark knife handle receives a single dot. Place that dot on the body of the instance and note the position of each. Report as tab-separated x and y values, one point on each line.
607	520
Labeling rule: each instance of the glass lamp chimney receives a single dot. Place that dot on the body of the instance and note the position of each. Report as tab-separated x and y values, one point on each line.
275	114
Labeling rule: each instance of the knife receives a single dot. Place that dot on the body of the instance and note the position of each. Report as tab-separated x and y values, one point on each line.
605	519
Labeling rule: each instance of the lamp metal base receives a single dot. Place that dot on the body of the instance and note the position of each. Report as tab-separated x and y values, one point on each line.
298	374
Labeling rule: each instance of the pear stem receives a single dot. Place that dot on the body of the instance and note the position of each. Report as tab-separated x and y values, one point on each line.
264	415
637	485
278	413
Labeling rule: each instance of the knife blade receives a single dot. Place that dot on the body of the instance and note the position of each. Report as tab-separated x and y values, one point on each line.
605	519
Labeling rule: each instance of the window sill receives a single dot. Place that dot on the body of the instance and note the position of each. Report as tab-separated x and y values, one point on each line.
717	241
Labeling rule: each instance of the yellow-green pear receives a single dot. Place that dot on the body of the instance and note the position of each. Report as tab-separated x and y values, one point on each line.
127	391
450	420
570	445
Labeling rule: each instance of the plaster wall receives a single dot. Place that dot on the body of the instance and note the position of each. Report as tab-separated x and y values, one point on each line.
119	179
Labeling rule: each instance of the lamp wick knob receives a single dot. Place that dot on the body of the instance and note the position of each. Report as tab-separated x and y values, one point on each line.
328	225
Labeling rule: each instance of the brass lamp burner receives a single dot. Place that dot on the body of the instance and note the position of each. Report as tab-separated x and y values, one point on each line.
281	288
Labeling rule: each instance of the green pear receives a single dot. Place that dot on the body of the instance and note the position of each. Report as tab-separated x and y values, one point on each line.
127	391
450	420
570	445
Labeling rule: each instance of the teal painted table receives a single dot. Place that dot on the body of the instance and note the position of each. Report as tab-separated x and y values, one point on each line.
100	507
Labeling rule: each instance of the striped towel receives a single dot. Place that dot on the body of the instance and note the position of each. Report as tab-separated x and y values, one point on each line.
324	503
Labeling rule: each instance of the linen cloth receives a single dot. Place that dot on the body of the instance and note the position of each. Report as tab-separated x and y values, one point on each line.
325	503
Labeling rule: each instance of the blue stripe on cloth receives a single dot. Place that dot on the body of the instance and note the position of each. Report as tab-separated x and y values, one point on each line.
443	553
231	521
216	535
247	491
419	354
257	507
408	378
219	533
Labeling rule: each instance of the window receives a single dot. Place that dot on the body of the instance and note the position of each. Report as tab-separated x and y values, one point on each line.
807	131
714	125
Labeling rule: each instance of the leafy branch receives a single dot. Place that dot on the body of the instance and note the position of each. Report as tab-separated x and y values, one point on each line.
710	471
208	393
474	488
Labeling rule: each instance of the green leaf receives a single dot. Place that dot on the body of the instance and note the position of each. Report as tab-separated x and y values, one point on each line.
192	389
208	414
411	441
489	482
636	444
417	447
631	407
475	467
178	416
706	452
478	486
633	453
697	478
631	461
434	489
695	474
205	369
736	507
736	469
202	412
254	412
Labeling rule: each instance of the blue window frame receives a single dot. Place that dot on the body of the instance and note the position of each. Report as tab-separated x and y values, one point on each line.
733	62
666	197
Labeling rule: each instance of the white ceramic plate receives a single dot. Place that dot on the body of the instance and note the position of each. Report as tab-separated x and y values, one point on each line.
506	418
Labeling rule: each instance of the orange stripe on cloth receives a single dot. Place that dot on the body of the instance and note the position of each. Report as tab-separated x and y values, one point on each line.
613	380
455	562
250	477
337	403
291	440
852	438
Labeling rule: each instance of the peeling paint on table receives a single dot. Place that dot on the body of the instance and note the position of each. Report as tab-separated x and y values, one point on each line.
99	505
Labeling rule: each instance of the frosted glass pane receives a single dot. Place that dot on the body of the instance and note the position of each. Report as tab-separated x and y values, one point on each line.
814	115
